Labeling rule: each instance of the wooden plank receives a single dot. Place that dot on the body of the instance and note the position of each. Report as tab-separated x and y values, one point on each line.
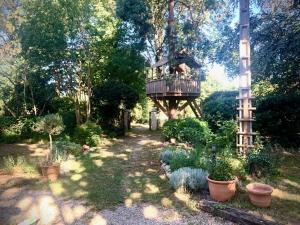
197	108
232	214
157	103
183	106
194	110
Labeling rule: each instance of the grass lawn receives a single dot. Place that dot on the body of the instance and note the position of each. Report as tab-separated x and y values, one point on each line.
127	171
285	206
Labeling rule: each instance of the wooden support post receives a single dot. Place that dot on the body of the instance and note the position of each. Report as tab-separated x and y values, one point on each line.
193	109
197	108
184	106
172	110
245	116
158	105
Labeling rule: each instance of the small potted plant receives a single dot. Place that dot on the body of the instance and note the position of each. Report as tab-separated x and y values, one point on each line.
51	124
221	180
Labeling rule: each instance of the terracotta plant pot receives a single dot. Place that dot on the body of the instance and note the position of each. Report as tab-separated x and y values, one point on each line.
51	172
260	194
221	191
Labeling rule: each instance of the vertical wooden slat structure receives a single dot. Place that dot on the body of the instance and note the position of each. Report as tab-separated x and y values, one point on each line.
245	109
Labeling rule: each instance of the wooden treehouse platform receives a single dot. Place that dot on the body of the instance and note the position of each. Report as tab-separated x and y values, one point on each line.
175	88
168	94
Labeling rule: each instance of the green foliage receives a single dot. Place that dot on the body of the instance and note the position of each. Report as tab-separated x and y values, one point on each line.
278	117
224	139
219	107
170	129
181	158
64	147
110	98
280	67
51	124
88	133
194	131
221	170
69	120
188	178
189	130
167	155
12	165
14	130
259	163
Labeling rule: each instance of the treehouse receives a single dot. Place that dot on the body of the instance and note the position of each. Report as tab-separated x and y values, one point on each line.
173	88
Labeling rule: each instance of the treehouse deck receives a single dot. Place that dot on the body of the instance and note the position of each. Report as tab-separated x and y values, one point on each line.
175	88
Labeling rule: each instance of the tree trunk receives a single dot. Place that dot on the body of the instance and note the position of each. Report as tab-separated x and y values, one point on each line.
32	99
9	110
77	107
89	94
50	143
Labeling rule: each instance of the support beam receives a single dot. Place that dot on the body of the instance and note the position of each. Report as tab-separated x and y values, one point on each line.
158	105
197	108
184	105
194	110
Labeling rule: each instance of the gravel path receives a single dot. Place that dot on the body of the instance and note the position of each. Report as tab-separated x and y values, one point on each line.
18	202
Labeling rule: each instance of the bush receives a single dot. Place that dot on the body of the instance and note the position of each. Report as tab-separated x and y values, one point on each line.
109	99
221	170
219	107
188	178
88	133
181	158
69	119
278	117
170	129
259	164
167	155
189	130
65	147
14	130
225	137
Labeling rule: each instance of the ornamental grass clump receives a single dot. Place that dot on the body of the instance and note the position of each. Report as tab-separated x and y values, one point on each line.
188	178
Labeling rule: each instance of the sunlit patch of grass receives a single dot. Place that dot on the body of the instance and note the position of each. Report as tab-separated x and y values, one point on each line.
285	206
18	165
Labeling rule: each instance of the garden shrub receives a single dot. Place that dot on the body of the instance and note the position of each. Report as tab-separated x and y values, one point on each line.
278	117
109	99
170	129
14	130
225	137
64	147
189	130
221	170
218	107
88	133
69	119
167	155
6	121
182	158
189	178
259	164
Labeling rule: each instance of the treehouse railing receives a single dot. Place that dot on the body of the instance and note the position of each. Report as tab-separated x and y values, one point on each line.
173	87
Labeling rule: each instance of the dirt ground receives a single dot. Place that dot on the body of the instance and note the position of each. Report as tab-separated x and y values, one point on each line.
147	199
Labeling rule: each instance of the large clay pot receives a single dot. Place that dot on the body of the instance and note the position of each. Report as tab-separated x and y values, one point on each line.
221	191
51	172
260	194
